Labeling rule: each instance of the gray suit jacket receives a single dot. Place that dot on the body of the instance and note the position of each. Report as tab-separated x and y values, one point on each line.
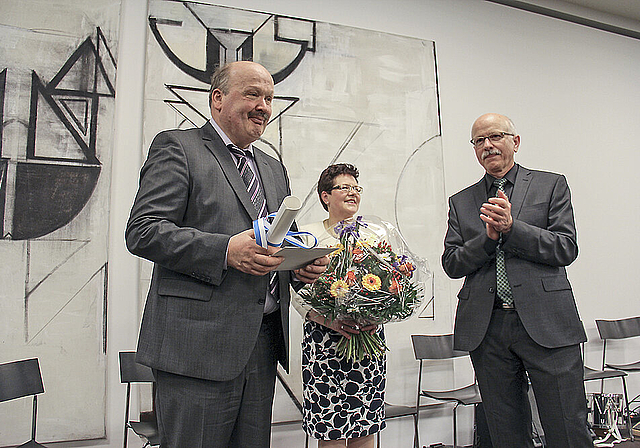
540	244
200	319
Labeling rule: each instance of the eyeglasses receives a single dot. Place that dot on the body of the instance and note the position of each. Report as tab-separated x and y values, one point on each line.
346	188
478	142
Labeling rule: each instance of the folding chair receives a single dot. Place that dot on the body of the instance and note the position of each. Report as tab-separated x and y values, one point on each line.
398	410
21	379
620	329
429	348
132	372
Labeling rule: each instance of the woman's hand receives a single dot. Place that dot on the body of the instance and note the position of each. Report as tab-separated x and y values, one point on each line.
311	272
346	327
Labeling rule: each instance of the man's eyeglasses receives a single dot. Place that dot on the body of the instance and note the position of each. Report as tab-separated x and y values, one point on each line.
346	188
478	142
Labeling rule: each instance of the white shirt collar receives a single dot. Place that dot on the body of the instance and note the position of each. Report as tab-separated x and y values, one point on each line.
226	140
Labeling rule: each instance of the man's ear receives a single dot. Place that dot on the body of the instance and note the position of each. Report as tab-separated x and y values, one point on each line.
216	99
516	143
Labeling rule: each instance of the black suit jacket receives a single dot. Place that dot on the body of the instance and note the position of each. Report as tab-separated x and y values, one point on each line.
200	319
540	244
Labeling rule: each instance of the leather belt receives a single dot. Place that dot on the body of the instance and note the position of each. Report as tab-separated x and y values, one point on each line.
503	306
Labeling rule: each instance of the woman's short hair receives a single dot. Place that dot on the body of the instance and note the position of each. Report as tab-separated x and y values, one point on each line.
325	183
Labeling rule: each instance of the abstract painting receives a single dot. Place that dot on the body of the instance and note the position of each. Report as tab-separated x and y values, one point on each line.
57	89
342	94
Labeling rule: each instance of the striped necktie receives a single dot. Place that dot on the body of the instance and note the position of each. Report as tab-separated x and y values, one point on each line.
250	180
502	281
256	194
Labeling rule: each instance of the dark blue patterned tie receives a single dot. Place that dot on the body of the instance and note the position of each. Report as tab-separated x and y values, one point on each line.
256	194
502	282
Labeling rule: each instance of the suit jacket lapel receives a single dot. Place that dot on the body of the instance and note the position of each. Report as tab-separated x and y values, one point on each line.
523	181
216	146
479	198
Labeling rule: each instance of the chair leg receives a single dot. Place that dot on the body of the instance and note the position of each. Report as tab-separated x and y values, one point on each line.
626	406
416	441
126	416
455	426
34	417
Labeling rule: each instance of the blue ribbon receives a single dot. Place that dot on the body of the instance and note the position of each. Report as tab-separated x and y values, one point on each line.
261	228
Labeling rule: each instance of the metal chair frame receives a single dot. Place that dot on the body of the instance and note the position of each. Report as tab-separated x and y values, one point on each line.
20	379
440	347
132	372
620	329
398	410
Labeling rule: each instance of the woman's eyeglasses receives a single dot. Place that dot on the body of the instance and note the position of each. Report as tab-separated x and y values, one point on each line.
346	188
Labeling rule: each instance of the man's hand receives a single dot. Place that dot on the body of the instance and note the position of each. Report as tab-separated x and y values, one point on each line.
245	255
496	213
311	272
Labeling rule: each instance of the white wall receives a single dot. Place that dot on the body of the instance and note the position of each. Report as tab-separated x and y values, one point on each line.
573	93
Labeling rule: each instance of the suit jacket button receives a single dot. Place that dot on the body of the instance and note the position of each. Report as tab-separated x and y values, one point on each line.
261	301
491	290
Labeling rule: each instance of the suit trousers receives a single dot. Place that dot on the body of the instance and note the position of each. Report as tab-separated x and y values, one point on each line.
506	357
199	413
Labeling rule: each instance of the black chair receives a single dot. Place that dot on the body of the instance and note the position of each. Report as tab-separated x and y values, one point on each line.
398	410
22	379
132	372
620	329
591	374
440	347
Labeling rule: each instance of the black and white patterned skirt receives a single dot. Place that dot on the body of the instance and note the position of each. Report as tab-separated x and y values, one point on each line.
343	399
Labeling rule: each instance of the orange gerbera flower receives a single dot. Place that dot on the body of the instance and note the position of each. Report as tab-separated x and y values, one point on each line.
358	255
406	268
351	277
371	282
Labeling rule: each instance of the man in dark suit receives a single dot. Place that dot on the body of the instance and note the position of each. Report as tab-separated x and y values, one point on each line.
511	235
215	324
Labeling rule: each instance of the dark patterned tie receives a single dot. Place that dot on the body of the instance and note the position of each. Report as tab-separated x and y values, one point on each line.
256	194
250	180
502	282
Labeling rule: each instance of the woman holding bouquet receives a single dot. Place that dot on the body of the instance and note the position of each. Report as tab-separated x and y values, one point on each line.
343	396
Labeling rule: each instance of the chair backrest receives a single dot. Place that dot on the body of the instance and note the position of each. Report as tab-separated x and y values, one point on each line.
132	372
435	347
619	328
20	379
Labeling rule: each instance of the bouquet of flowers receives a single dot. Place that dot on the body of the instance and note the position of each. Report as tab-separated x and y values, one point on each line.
372	278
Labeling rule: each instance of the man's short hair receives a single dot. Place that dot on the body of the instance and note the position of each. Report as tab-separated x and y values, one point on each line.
220	80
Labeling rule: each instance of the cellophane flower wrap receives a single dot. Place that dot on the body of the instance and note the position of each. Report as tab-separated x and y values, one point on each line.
372	278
